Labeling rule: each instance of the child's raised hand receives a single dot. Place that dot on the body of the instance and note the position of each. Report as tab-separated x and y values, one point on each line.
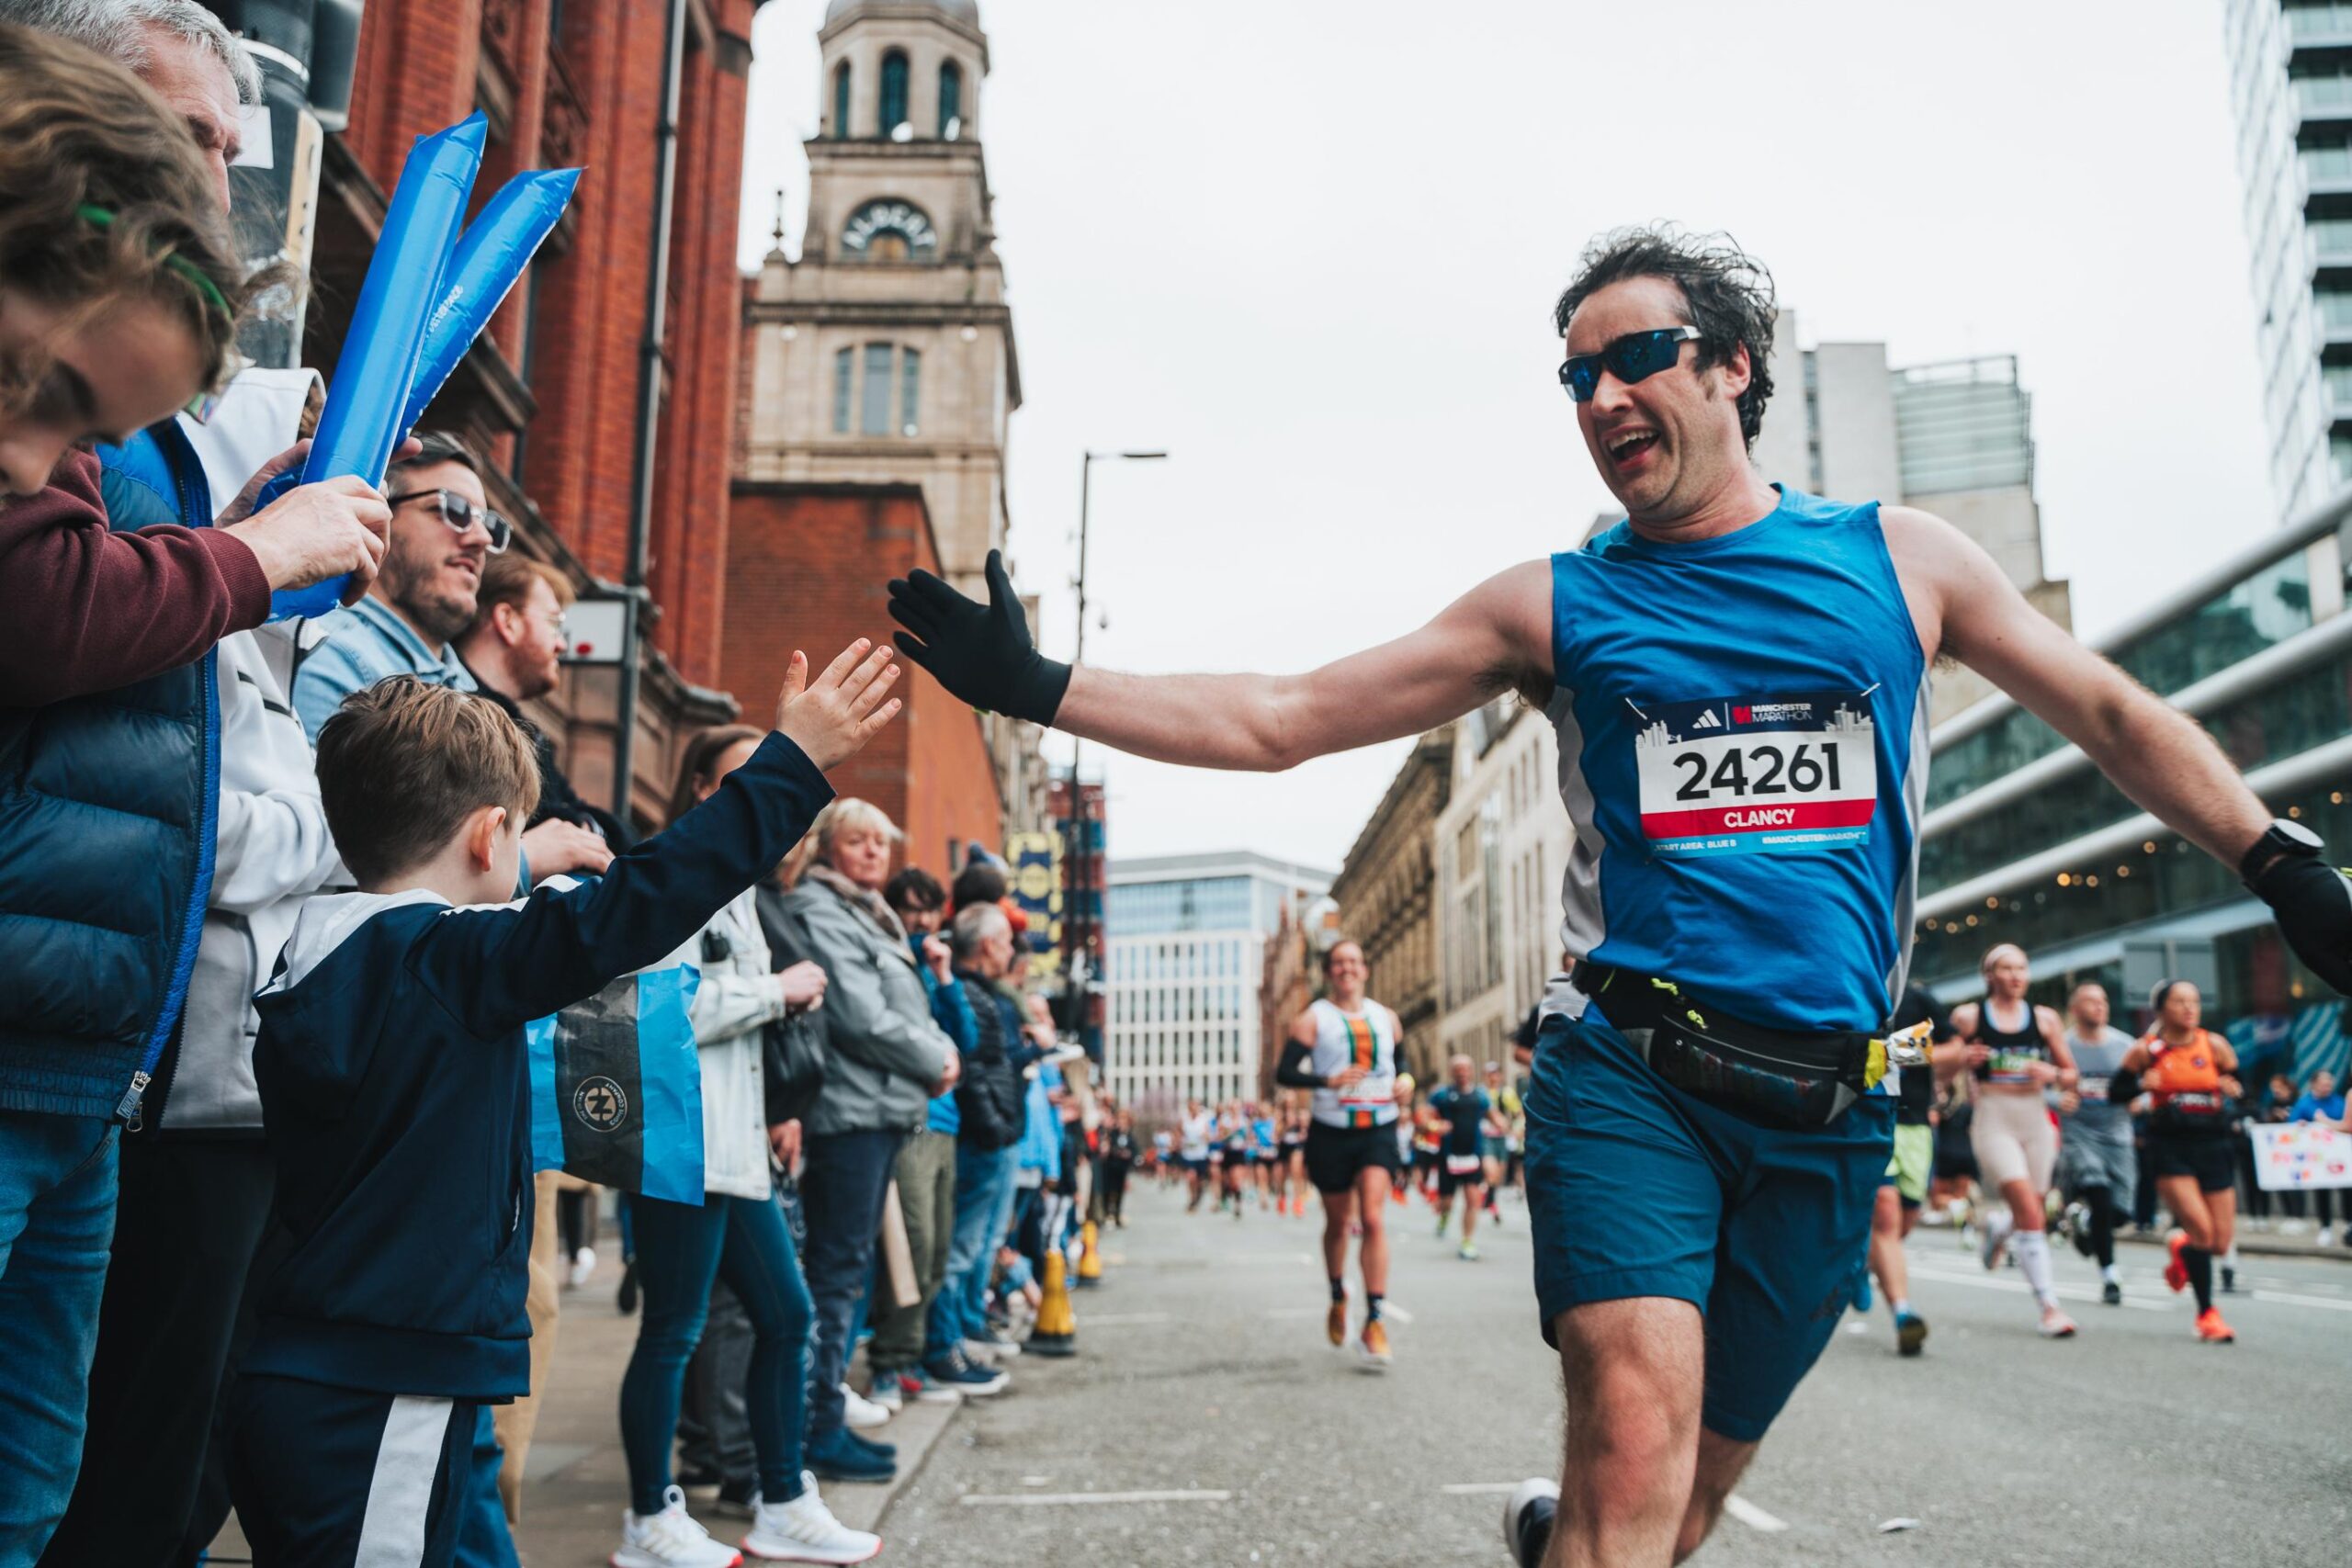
833	717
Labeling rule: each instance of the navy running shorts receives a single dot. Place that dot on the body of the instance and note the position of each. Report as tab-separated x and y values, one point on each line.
1637	1188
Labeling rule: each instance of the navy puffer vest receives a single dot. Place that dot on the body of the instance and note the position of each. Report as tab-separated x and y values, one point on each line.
107	808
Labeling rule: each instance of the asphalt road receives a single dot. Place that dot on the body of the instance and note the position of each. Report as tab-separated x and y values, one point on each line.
1204	1377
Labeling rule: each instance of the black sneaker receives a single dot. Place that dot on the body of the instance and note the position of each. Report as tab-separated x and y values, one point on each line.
886	1450
1527	1521
2229	1281
2111	1293
739	1499
626	1298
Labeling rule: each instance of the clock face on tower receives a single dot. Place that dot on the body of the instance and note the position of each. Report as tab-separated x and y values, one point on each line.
889	230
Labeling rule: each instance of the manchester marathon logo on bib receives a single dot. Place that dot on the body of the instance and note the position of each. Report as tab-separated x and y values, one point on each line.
1742	774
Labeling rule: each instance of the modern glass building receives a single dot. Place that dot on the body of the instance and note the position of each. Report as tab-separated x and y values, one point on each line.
2023	841
2291	90
1186	949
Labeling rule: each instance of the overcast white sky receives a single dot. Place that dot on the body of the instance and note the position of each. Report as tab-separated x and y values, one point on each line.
1311	249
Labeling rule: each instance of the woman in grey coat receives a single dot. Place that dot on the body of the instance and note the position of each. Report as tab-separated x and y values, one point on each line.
886	1058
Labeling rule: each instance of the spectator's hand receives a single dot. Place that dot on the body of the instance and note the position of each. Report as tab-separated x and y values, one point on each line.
941	957
831	717
950	1076
317	531
556	846
784	1142
804	985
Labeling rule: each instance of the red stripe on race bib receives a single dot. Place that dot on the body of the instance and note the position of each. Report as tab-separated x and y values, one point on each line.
1758	819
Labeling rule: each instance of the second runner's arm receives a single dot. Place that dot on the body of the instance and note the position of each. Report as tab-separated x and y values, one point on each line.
1494	638
2155	754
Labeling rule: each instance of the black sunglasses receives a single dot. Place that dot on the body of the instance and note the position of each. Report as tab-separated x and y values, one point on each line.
461	514
1636	356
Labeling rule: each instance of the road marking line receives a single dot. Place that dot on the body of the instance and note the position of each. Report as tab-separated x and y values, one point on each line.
1479	1488
1390	1309
2292	1299
1122	1319
2018	1287
1078	1499
1748	1514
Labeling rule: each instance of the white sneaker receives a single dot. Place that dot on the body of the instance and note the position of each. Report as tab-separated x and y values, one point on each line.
859	1413
1996	1239
885	1393
584	1264
671	1538
804	1530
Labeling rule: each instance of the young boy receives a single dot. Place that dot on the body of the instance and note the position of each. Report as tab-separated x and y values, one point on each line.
395	1084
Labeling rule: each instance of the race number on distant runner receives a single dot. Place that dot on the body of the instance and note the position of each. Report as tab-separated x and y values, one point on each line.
1743	774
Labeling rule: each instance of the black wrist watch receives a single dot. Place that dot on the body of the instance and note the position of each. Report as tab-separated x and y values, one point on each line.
2282	839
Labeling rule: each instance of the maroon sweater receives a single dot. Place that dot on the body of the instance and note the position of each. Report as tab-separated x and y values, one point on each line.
84	609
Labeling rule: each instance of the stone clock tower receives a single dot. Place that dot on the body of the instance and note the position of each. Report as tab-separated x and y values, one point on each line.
885	352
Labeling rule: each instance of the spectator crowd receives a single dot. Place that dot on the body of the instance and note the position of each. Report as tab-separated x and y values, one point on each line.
283	901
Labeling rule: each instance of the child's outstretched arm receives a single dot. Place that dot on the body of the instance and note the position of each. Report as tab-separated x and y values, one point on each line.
499	968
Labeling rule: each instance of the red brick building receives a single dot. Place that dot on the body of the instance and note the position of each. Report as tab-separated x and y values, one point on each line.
807	567
551	392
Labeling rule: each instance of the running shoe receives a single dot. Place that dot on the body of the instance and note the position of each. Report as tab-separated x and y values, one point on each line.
1335	1323
2111	1293
1443	1215
804	1530
1467	1253
584	1264
1994	1239
967	1376
1910	1332
2176	1271
2212	1330
2057	1325
2076	1222
670	1539
2229	1281
1527	1520
837	1455
886	1393
1372	1349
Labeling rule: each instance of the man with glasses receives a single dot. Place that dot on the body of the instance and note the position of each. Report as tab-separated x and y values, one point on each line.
425	593
1739	675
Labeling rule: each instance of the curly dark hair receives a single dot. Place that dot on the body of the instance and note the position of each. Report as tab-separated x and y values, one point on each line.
1727	293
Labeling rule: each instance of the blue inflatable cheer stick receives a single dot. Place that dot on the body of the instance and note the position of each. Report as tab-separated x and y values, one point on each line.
361	424
492	252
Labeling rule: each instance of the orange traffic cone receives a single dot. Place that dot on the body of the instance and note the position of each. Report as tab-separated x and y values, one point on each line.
1056	1331
1090	1260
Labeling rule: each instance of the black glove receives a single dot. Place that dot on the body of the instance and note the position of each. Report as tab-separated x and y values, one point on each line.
979	653
2314	903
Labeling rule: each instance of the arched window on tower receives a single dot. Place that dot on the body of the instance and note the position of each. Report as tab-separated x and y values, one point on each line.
840	101
951	100
894	92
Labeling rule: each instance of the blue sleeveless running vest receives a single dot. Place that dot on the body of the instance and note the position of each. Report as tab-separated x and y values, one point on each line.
1743	754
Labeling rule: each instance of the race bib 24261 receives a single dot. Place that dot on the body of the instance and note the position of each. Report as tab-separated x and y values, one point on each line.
1741	774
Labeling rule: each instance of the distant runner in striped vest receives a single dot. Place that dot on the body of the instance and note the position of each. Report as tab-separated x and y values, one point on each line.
1344	1048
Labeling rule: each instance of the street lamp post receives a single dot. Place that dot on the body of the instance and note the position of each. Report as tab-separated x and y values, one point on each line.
1079	930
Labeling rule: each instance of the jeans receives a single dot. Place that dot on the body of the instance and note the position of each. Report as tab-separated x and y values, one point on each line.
925	1171
680	1250
714	1423
188	1220
840	1193
57	1192
983	1200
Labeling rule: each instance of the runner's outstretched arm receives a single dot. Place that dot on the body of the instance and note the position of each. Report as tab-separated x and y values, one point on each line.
1963	605
1493	638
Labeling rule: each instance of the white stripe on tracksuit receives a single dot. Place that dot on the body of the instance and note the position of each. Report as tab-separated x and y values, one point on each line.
400	1495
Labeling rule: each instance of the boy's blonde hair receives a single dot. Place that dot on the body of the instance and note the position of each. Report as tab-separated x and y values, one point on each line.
402	764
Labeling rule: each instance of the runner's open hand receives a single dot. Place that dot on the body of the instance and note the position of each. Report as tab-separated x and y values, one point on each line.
982	653
831	717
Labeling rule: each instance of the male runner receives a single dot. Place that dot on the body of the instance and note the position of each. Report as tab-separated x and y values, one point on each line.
1500	1146
1197	1129
1905	1186
1731	669
2096	1165
1462	1110
1344	1048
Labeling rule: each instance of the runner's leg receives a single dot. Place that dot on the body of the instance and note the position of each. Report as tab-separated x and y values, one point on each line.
1632	1370
1887	1227
1339	1210
1372	1207
1721	1460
